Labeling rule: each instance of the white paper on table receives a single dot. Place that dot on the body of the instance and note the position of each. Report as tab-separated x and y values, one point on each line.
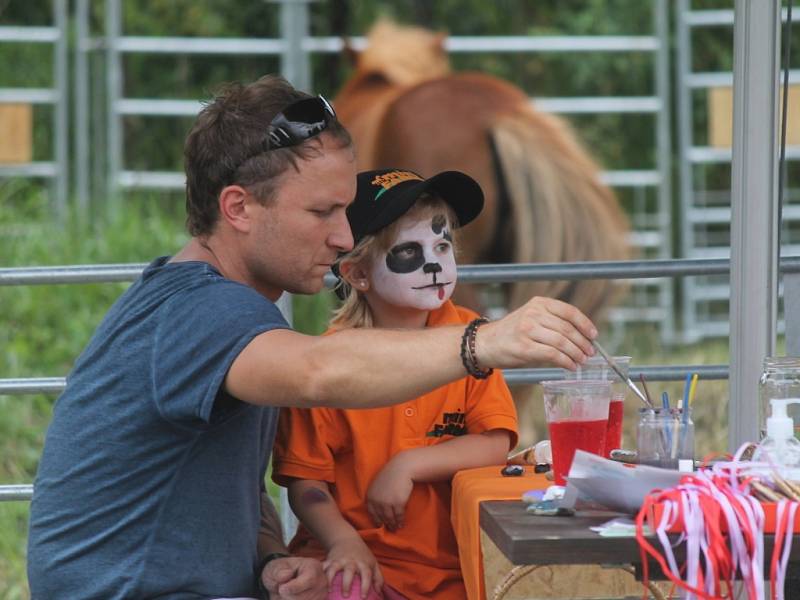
612	484
619	527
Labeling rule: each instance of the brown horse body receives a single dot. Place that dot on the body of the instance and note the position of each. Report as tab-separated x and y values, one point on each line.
544	198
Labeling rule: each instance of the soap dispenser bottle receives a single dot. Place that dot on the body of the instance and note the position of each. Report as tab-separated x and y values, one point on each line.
780	448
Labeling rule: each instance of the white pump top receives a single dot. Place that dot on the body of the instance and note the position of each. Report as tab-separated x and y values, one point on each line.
780	448
780	425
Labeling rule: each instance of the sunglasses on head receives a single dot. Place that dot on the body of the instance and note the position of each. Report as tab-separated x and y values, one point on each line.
298	122
295	124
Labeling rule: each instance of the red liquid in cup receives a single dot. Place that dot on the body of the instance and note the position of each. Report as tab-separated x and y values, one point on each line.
568	436
614	428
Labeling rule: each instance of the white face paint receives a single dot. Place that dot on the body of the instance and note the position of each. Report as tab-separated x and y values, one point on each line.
419	270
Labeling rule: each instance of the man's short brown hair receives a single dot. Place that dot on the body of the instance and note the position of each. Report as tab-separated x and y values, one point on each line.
222	147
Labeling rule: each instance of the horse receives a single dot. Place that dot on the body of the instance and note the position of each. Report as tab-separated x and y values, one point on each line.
544	200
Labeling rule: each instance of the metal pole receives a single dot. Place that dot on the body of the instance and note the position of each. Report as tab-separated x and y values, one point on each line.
289	521
82	47
114	92
683	67
791	312
296	68
624	269
16	492
98	117
284	304
55	385
664	150
754	185
61	109
295	65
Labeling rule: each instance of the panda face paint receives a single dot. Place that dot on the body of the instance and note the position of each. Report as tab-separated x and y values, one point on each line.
419	269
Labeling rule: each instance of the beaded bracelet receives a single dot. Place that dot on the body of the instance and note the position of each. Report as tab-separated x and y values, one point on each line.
468	355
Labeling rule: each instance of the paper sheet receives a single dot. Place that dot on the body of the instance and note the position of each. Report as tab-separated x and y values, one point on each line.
616	486
619	527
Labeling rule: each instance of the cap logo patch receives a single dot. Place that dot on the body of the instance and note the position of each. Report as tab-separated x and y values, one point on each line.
391	179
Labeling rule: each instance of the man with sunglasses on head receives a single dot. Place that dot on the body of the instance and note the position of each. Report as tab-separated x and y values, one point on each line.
151	482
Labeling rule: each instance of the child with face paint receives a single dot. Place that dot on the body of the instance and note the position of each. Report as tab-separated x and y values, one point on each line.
372	487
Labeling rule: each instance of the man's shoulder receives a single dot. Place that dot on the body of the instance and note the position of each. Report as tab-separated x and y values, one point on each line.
198	282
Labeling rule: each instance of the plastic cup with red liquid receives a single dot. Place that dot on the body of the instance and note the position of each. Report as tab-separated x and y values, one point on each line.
577	418
597	368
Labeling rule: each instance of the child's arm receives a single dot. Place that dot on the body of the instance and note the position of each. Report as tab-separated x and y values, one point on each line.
312	503
389	491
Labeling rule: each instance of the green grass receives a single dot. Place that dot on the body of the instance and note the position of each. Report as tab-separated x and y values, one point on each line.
44	327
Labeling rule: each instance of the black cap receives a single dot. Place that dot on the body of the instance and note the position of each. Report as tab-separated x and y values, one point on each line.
385	195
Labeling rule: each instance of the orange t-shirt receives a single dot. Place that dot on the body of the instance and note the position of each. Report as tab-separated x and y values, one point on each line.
348	447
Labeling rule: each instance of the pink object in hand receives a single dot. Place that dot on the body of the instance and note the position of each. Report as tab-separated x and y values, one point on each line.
336	593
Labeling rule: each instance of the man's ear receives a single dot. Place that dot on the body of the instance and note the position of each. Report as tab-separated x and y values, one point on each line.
234	203
355	275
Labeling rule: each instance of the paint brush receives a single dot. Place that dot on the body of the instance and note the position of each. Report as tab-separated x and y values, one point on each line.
646	391
626	380
684	403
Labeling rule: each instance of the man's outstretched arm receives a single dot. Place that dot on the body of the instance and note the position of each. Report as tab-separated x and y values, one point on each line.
360	368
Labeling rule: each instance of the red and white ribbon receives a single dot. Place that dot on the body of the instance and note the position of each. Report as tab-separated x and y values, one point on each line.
722	529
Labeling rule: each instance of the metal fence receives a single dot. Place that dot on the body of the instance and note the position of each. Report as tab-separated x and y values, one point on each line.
704	216
629	270
620	270
650	300
705	209
56	96
77	274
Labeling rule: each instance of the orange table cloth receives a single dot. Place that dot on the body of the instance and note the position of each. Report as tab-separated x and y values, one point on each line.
470	488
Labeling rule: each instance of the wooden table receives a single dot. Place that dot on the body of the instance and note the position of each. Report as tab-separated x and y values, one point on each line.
527	539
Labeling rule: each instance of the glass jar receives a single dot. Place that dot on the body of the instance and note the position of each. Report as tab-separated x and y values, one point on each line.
664	437
780	379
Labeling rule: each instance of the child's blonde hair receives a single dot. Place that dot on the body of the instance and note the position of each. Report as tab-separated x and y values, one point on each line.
355	311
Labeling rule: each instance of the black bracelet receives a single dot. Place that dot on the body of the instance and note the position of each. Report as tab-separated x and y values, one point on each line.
468	357
263	563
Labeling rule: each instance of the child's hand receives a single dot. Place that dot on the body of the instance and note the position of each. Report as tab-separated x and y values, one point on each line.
351	556
388	494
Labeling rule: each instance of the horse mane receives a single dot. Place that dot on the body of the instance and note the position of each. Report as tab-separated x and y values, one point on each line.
562	211
402	55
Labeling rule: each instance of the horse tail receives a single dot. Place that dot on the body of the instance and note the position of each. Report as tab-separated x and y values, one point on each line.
560	210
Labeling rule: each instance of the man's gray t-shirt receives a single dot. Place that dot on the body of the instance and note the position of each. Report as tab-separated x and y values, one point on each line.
149	482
